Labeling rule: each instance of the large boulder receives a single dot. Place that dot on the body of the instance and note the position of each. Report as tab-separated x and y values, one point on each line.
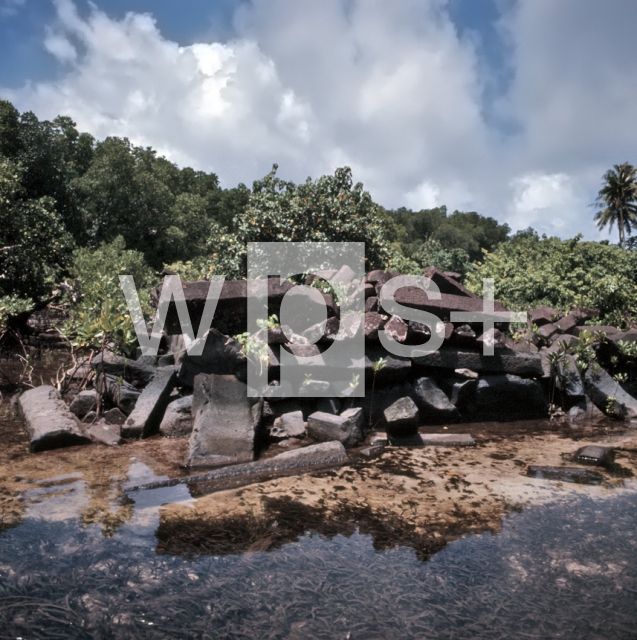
177	420
433	404
225	421
507	397
401	417
48	421
447	284
221	356
289	425
146	417
326	427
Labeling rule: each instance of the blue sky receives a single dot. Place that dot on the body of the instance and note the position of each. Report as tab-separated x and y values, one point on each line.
513	108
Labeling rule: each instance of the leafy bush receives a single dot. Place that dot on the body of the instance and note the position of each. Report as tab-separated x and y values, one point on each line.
530	271
102	315
329	209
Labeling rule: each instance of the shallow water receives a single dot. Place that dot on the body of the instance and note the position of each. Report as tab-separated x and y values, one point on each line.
81	559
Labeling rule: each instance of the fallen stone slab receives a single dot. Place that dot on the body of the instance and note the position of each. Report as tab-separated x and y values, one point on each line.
230	315
565	474
433	440
379	440
83	403
325	427
105	434
221	355
504	361
311	458
542	315
125	368
48	421
569	379
603	387
371	452
596	454
146	417
447	440
225	420
177	420
395	368
418	299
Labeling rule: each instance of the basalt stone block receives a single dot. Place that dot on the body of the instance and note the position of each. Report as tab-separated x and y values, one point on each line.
232	308
568	323
569	380
549	330
84	402
177	420
221	356
48	421
114	417
447	284
397	329
596	455
603	387
122	394
326	427
289	425
146	417
507	397
433	404
584	412
225	421
542	315
396	368
504	361
373	323
318	456
447	440
371	304
401	417
463	335
418	299
120	367
105	433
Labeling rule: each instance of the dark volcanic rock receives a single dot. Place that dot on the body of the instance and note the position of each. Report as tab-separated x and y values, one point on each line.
507	397
120	367
48	421
433	404
84	402
146	417
603	387
225	421
124	395
447	284
325	427
221	355
401	417
504	361
177	420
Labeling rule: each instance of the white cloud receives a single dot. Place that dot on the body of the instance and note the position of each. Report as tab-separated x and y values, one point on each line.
389	89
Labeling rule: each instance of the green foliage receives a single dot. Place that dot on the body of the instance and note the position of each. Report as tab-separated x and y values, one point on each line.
529	271
431	237
102	313
34	245
433	253
330	209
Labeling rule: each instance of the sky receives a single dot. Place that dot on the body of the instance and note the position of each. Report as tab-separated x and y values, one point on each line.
511	108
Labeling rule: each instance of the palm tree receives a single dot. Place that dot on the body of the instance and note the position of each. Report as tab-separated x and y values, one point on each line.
617	200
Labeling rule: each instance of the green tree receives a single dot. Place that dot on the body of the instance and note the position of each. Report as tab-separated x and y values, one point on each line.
617	200
330	209
530	271
34	244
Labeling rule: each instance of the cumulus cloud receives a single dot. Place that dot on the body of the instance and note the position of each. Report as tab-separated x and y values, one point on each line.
390	89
